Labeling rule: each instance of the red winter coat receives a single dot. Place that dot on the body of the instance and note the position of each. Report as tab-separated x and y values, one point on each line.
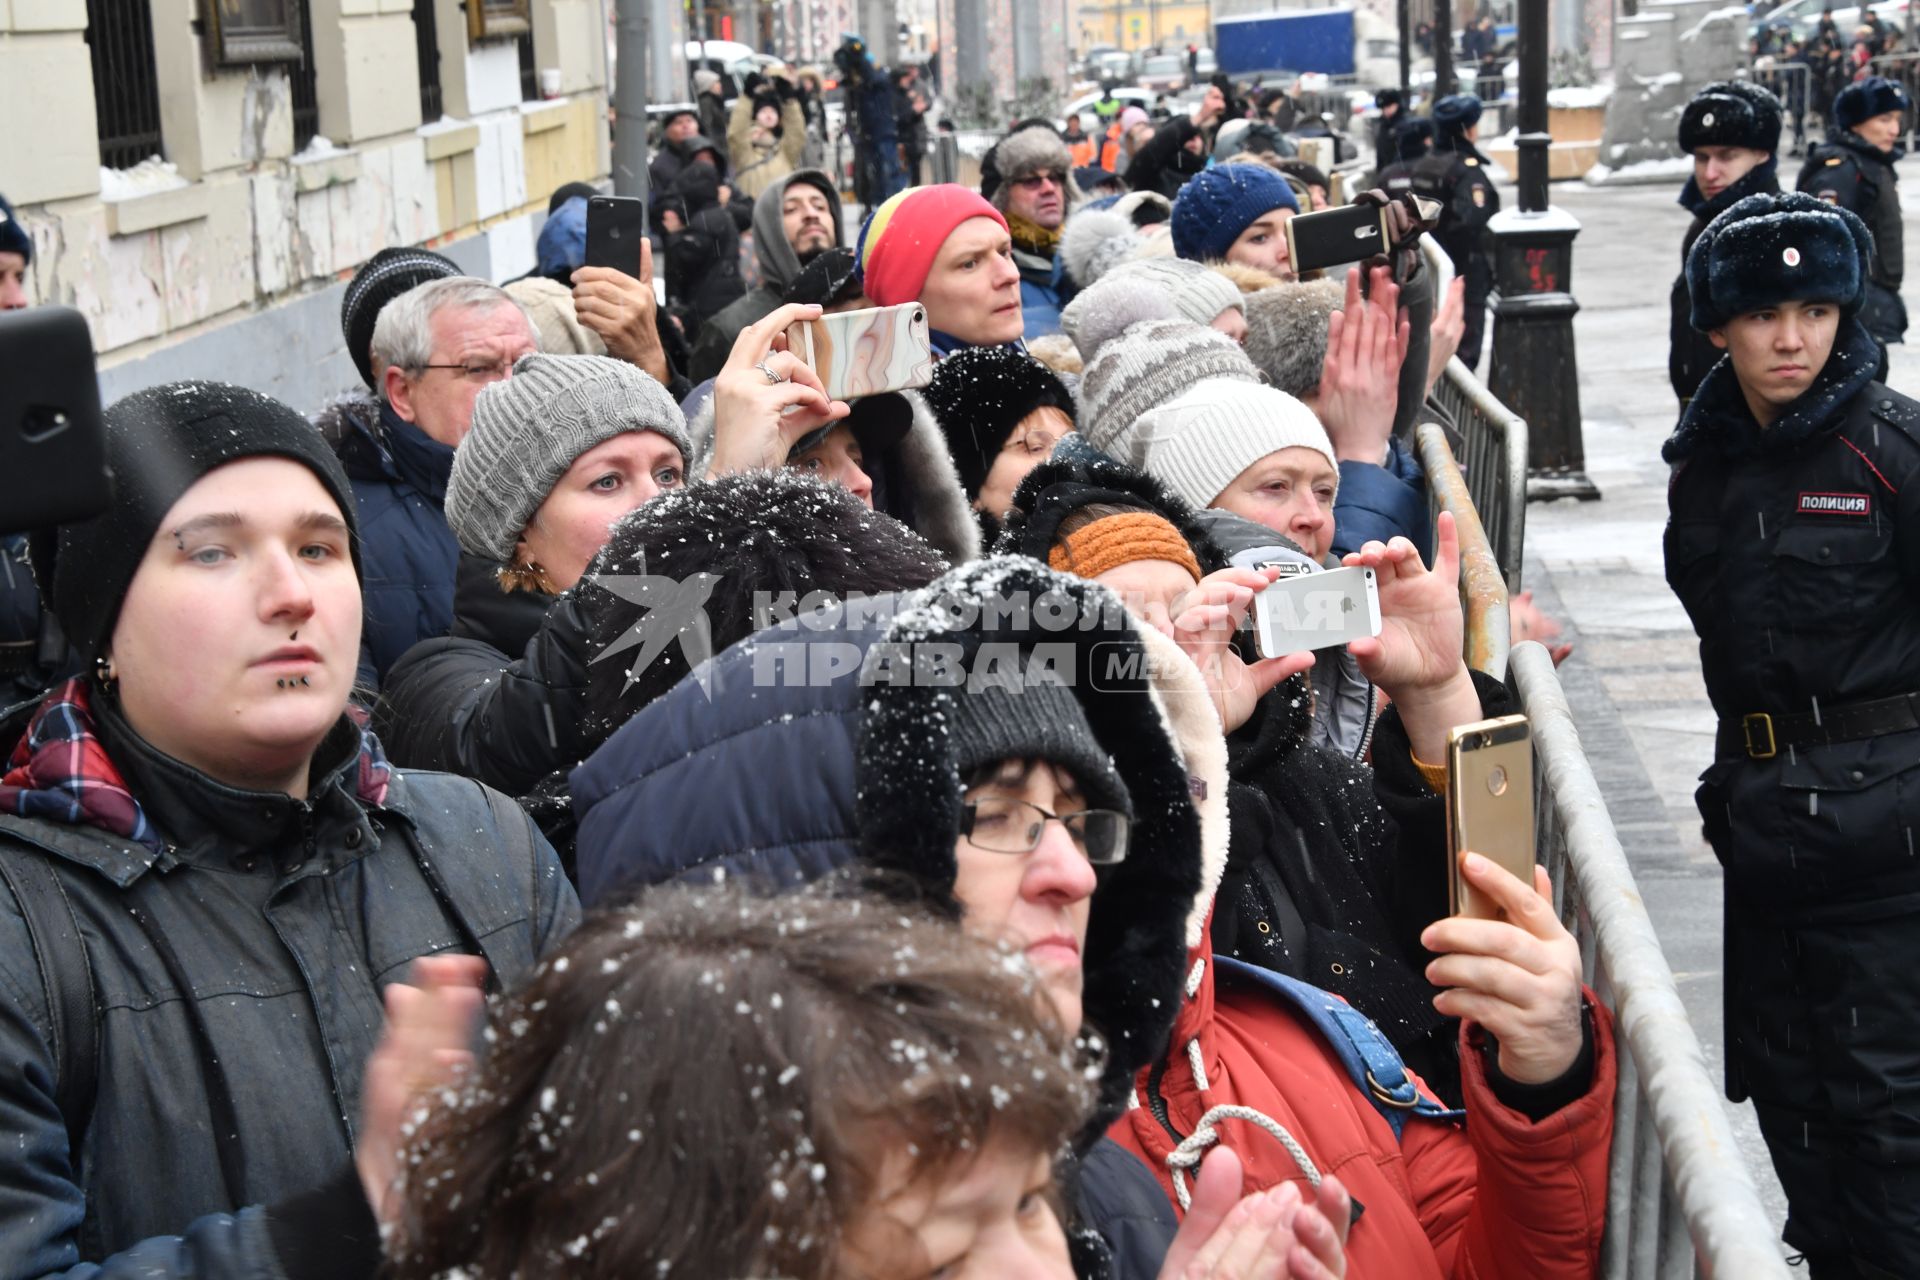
1503	1198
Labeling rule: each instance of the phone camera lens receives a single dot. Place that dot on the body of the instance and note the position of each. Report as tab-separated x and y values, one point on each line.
1497	781
613	233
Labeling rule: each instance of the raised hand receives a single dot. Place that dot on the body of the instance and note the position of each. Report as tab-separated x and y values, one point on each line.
620	308
765	398
1204	626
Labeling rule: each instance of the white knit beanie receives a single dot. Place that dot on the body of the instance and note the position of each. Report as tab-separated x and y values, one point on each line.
1200	292
1198	442
530	428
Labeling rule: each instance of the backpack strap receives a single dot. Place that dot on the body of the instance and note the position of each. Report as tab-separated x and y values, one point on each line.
1369	1058
457	893
67	979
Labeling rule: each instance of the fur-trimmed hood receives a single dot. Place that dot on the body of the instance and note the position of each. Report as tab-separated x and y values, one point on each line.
804	767
915	482
350	413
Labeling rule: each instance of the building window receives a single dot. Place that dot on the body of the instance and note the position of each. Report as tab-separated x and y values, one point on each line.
426	37
492	19
306	96
126	86
243	32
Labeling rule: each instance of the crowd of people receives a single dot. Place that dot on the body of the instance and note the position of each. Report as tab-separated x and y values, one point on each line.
589	802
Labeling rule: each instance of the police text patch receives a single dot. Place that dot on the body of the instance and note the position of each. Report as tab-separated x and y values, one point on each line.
1836	504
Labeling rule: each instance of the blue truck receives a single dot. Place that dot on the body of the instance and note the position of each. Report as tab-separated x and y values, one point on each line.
1286	40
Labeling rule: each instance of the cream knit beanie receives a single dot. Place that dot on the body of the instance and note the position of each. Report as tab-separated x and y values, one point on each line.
1198	442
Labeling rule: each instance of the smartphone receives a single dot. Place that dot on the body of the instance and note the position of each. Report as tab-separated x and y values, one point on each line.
1308	611
53	441
1335	237
615	227
862	353
1489	805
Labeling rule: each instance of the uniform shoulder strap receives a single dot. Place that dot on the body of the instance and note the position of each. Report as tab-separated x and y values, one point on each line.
67	979
1368	1057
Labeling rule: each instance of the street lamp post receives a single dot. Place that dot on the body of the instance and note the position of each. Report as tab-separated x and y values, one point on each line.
633	46
1534	369
1443	83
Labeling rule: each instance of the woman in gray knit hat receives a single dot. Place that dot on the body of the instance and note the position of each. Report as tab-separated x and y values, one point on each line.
557	454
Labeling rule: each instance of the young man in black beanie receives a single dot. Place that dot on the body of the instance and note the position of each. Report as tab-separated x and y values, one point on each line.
1732	132
1853	170
1793	540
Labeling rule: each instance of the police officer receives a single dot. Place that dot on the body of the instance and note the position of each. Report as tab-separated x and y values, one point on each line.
1455	174
1853	169
1411	142
1793	540
1732	132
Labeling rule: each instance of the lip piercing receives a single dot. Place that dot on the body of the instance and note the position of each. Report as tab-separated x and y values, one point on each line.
299	682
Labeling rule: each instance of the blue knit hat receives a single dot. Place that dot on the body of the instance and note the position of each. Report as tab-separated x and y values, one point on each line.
13	236
1214	208
1456	113
1865	99
1769	249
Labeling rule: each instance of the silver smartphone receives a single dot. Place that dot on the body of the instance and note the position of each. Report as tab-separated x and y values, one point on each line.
1311	611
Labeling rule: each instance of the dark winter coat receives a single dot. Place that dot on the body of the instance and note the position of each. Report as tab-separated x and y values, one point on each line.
1163	163
238	943
1796	551
1849	172
778	267
407	553
33	653
799	777
713	123
1378	503
1689	352
502	699
703	259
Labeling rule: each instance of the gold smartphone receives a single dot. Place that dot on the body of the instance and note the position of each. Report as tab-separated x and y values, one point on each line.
1489	805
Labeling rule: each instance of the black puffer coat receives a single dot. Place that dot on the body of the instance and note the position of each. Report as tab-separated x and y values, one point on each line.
1691	353
237	945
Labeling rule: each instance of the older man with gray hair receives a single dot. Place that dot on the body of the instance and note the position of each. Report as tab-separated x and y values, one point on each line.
434	348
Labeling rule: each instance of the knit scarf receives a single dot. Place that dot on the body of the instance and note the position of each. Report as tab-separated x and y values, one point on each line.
60	771
1032	237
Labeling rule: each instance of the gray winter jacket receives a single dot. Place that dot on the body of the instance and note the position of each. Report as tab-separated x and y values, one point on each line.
779	264
237	944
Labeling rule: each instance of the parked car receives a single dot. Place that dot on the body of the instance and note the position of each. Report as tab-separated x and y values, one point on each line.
1164	73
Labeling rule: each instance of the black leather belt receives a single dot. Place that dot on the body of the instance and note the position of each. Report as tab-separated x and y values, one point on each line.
1762	736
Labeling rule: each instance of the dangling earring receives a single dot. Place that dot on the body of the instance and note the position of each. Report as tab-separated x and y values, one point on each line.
104	673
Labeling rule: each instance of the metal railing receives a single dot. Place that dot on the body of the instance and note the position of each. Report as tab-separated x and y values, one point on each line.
126	85
1494	460
1483	591
1680	1201
1792	83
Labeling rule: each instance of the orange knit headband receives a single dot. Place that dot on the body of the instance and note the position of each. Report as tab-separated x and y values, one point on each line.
1122	539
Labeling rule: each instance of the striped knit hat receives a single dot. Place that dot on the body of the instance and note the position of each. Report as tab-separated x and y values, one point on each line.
900	239
1145	367
1198	442
530	428
385	276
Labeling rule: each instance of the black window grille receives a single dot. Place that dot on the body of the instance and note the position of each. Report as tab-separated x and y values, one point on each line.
426	40
529	74
306	96
126	85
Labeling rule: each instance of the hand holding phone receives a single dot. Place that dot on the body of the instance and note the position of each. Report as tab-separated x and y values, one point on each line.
1489	806
1316	610
863	353
615	227
1335	237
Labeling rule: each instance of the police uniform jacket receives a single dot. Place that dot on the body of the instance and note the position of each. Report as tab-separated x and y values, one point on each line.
1796	552
1689	352
1458	180
1848	171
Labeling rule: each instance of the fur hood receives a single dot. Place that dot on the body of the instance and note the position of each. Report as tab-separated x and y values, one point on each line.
815	775
355	412
915	483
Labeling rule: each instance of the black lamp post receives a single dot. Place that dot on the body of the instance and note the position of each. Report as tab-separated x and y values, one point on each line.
1534	369
1442	48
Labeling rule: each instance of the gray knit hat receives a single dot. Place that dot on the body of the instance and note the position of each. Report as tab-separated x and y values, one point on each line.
1144	368
1200	292
1198	442
1287	331
1039	720
530	428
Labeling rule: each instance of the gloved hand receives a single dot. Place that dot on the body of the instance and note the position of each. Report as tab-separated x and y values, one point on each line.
1404	229
784	88
752	84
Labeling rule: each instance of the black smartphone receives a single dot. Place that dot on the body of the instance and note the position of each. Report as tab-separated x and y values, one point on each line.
53	442
1335	237
615	227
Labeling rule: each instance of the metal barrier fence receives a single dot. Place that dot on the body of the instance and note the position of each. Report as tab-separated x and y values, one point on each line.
1494	460
1483	591
1680	1201
1792	83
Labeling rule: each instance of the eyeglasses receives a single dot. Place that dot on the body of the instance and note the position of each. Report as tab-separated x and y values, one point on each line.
1003	825
477	370
1033	180
1032	442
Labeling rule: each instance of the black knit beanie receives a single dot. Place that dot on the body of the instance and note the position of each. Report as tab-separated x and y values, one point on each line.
160	441
979	395
384	277
1034	721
